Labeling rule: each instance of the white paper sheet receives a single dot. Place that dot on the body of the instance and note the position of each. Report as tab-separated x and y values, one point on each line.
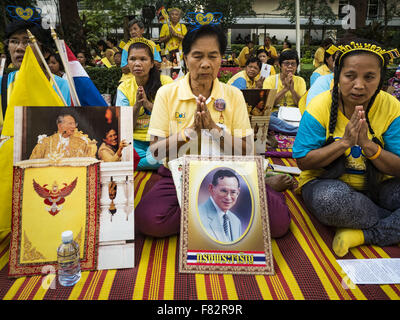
372	271
285	169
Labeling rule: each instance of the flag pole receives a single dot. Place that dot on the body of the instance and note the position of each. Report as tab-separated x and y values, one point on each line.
33	40
2	66
63	56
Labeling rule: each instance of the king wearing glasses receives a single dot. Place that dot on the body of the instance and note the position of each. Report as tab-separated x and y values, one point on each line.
215	215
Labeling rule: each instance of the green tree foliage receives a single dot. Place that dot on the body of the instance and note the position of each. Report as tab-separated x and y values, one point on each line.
311	9
230	10
104	17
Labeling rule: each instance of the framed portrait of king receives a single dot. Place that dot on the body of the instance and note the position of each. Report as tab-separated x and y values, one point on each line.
224	223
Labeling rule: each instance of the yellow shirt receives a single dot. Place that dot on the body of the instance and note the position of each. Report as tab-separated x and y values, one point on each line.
242	56
175	107
250	84
323	70
110	55
129	88
235	60
271	49
384	117
126	76
174	43
287	100
319	57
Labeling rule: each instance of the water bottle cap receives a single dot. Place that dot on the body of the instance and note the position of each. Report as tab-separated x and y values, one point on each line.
67	236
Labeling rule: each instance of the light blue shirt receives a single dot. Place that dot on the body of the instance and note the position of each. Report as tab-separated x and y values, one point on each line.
322	84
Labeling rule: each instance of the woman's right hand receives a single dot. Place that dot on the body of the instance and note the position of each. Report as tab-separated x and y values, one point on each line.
353	127
287	82
139	97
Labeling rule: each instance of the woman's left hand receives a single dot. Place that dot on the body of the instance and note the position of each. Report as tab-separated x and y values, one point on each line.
206	119
363	139
142	99
260	82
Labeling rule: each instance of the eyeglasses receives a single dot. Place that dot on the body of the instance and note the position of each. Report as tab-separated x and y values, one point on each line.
287	64
16	42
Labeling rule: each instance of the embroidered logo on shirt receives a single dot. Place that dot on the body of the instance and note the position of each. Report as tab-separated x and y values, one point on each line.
179	115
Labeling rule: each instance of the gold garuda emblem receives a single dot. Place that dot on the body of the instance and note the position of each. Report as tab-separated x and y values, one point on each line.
54	197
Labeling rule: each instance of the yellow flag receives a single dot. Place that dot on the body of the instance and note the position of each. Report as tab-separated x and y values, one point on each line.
106	62
122	44
30	88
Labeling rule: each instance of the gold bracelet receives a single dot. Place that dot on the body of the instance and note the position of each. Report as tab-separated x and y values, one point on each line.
376	155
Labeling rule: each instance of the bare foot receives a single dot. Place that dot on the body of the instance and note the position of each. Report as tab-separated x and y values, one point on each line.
280	182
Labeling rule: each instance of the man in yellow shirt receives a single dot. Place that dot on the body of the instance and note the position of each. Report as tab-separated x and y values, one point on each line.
319	54
290	89
269	48
246	52
172	34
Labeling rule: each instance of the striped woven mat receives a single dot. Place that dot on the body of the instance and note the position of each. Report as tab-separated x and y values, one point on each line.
304	263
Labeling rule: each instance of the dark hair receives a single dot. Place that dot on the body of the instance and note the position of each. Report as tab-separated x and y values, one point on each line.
117	52
220	174
288	55
84	54
108	129
252	60
288	43
58	59
154	82
43	36
112	40
102	43
135	21
261	51
203	31
337	168
326	42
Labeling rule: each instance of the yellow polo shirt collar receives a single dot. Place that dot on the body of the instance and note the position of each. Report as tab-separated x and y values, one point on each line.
185	91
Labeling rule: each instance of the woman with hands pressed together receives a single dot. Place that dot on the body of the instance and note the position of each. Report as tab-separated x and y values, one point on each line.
185	112
172	34
348	146
139	92
290	88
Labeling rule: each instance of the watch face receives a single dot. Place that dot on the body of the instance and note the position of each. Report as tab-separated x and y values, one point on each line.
219	105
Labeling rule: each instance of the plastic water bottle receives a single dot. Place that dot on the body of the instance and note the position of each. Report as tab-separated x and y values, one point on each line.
69	269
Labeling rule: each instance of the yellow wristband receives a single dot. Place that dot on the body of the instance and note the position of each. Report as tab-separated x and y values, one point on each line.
376	155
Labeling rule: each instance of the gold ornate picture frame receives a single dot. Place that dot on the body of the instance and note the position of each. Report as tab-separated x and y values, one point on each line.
213	186
69	176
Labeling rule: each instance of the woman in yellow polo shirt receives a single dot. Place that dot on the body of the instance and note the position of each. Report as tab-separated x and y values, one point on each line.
139	92
249	78
198	104
290	88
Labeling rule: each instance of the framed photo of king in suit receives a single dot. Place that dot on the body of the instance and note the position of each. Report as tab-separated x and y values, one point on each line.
224	222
